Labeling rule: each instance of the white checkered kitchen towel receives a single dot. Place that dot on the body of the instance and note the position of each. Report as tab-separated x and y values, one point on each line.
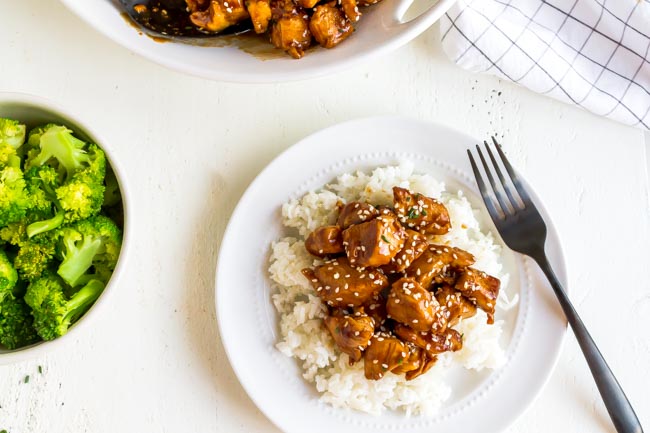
592	53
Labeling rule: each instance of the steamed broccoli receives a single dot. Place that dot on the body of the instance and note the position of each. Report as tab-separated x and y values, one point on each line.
16	324
14	199
8	276
53	310
58	247
33	256
15	320
92	242
12	137
69	173
12	133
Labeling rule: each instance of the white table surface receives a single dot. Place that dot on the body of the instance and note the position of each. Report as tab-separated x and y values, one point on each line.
154	361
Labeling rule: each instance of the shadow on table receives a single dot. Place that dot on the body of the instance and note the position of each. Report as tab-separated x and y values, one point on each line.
201	321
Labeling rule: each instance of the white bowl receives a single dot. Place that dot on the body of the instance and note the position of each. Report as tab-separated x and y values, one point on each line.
35	111
380	30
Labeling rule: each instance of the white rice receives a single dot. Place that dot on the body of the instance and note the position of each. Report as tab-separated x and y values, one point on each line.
301	312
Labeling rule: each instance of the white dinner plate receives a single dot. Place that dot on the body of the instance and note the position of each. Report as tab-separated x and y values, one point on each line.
383	28
486	401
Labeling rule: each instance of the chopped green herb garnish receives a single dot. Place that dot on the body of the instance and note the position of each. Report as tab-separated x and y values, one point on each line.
383	238
413	213
399	361
3	431
424	213
40	369
27	379
337	330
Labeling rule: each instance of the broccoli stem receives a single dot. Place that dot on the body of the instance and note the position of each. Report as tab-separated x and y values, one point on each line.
79	259
82	300
46	225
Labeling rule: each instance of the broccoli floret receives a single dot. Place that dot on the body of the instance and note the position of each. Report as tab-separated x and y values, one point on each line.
77	190
33	255
12	133
58	148
8	276
15	320
13	195
16	324
53	310
92	242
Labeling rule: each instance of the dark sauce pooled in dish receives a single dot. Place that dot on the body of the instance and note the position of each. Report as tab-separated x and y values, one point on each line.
171	18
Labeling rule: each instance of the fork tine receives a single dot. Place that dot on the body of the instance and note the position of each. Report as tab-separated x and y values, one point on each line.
513	176
495	187
489	203
504	183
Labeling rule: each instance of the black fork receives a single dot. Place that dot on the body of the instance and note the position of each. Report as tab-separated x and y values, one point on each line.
523	229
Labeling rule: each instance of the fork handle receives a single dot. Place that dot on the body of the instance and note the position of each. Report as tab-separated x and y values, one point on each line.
619	408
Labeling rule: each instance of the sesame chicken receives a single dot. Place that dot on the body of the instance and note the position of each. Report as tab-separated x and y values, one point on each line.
416	364
374	243
340	284
219	15
351	333
384	354
439	263
260	13
324	241
376	308
351	10
356	213
432	343
421	213
403	326
329	25
412	305
456	305
480	288
289	27
414	245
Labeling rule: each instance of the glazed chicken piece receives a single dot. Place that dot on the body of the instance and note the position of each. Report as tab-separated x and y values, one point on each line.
356	213
456	305
289	27
339	284
351	10
326	240
329	26
410	304
433	344
376	308
480	288
307	4
439	263
414	245
421	213
374	243
351	333
383	354
416	364
260	12
219	15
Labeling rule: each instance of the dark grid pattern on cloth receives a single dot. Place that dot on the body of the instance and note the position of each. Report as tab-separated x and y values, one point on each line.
593	53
